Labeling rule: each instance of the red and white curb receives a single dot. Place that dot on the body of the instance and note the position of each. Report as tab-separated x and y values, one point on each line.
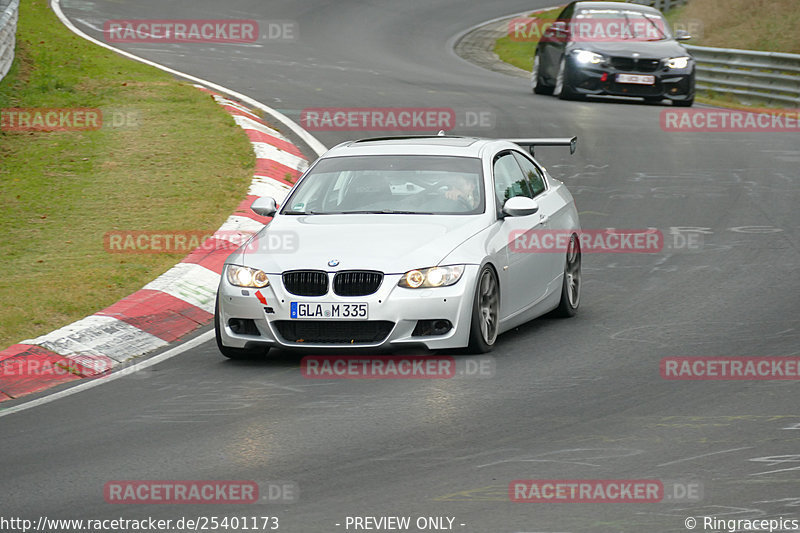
171	306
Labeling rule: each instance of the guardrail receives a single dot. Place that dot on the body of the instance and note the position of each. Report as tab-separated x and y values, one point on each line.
8	34
765	77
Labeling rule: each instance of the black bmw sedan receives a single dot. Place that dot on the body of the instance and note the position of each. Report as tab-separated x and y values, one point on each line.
612	48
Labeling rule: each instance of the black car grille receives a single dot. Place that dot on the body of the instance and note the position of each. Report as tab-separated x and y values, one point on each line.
629	64
357	282
334	331
306	282
630	89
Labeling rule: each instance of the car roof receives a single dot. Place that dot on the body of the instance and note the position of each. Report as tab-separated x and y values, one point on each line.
616	5
449	145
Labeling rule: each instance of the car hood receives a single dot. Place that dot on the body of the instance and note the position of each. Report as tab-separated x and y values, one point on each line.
392	244
645	49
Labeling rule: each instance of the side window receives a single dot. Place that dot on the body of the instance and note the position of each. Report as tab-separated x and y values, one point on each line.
509	181
532	173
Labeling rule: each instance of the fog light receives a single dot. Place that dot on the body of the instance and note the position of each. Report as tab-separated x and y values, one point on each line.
243	326
426	328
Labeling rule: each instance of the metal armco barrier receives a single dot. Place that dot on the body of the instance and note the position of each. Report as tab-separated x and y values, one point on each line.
765	77
8	34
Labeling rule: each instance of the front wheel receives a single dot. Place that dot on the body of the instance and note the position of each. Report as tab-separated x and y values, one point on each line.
536	78
571	285
563	89
234	353
485	312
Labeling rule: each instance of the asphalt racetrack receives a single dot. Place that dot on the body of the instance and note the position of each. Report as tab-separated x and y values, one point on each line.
566	399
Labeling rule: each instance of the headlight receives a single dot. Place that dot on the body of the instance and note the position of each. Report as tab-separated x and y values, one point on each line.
246	277
585	56
678	62
432	277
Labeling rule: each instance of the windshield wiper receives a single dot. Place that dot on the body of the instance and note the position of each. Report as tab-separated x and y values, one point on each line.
628	24
385	212
363	212
653	24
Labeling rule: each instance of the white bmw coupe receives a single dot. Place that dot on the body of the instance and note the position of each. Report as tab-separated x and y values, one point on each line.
404	241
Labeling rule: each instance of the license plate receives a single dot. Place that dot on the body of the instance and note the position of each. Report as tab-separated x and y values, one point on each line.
336	311
637	79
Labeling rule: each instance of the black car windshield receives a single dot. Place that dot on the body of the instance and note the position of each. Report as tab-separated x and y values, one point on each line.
614	25
397	184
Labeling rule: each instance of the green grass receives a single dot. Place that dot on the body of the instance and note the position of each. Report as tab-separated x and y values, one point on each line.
768	25
519	49
183	165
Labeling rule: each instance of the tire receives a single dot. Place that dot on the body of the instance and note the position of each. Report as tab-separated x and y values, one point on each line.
536	79
485	312
234	353
563	90
571	284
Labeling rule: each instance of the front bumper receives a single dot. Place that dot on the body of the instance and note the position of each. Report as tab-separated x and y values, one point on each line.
601	79
393	315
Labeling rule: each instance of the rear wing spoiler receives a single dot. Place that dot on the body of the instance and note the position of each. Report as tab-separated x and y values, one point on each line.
572	142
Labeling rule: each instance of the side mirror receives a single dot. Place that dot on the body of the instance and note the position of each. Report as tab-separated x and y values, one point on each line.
264	206
520	206
556	32
682	35
559	27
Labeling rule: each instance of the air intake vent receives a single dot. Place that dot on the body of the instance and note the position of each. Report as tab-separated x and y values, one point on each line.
334	331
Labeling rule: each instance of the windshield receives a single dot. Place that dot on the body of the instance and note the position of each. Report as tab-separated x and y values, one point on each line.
613	25
440	185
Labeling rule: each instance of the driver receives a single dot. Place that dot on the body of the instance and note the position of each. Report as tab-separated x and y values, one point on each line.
462	189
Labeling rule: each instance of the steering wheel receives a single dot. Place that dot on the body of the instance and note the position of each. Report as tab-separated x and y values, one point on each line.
461	201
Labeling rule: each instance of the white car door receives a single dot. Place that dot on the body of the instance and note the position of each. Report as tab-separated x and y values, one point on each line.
551	207
528	274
